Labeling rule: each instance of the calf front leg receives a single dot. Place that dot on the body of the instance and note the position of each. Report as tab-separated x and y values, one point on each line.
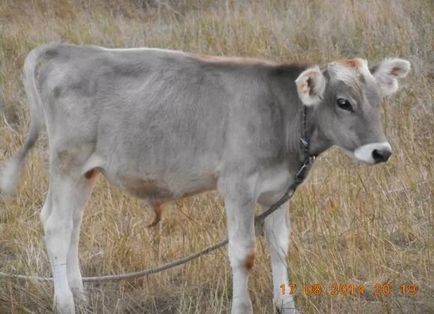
277	233
239	203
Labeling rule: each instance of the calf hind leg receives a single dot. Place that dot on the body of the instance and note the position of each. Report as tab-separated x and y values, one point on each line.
82	192
61	217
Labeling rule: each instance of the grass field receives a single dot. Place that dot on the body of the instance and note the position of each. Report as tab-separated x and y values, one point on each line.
351	223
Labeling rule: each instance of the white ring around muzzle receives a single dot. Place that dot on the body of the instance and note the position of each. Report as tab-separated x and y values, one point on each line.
365	152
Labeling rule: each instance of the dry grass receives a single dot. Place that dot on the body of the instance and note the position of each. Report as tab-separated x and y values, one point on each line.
351	223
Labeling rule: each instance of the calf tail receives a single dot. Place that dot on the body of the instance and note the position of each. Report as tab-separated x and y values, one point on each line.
11	170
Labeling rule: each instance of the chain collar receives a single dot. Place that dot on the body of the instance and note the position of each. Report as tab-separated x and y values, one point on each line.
308	159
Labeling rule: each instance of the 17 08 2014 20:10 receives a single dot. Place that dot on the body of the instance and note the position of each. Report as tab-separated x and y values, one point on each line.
349	289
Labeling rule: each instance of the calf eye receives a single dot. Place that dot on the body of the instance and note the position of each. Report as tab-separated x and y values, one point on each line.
344	104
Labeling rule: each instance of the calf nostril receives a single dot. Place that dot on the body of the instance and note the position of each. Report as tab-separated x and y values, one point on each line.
381	155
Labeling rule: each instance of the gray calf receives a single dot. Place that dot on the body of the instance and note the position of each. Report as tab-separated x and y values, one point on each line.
164	124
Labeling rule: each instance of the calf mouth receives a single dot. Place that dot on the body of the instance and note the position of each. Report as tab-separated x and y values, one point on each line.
373	153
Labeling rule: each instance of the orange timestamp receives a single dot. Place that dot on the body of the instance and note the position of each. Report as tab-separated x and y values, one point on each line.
347	289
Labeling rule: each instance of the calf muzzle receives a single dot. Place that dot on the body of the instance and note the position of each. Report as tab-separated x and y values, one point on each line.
373	153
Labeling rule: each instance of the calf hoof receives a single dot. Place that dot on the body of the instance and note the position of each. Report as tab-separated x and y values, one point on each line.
286	305
242	307
287	310
80	296
64	303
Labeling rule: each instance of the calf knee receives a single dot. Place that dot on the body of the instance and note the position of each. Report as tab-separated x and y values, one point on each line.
57	238
56	227
242	256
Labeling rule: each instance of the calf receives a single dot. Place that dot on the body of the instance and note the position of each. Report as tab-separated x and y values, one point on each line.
165	124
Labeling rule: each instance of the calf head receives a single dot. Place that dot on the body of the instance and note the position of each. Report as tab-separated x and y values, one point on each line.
345	97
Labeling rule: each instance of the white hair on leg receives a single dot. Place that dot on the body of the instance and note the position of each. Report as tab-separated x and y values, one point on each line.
61	217
57	228
83	190
277	233
240	204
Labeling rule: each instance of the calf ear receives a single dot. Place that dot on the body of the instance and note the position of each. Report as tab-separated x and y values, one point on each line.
310	86
387	73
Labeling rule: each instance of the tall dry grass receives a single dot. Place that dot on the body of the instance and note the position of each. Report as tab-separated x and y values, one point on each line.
351	223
